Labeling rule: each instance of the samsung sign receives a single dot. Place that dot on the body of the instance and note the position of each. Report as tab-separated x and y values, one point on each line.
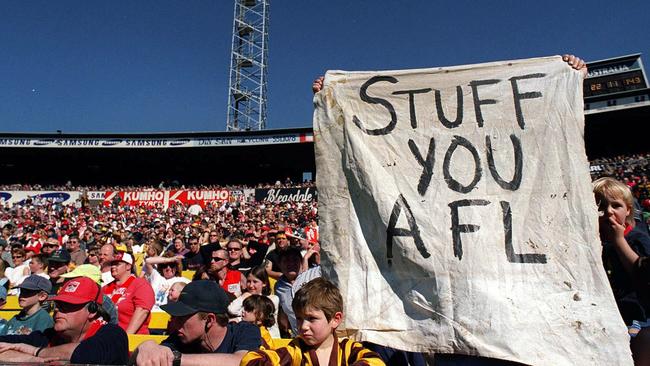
160	142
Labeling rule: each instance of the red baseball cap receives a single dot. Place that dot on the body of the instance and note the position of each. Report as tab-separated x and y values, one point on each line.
79	290
123	257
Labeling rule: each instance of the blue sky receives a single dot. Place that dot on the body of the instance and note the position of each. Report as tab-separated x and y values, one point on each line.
162	66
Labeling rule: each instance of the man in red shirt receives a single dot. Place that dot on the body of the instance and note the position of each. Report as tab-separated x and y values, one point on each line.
133	296
230	280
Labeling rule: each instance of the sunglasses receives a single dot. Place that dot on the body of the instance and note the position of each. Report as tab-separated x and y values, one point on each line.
65	307
16	256
234	249
217	259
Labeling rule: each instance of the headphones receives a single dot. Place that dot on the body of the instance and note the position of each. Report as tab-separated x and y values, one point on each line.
93	306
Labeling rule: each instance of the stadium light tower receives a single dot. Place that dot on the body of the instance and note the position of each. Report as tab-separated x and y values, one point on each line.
248	66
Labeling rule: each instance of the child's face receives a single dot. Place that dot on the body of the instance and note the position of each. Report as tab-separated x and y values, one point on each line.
249	316
610	206
314	328
35	266
174	293
28	298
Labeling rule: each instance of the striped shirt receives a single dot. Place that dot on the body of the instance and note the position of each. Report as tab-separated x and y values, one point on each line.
345	352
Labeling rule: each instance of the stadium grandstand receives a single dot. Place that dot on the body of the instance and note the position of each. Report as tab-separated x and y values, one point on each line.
225	158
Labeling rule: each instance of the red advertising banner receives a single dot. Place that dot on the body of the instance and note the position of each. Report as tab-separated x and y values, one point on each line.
166	198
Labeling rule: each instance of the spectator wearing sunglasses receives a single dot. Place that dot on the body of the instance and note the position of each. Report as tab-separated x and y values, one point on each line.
161	273
230	280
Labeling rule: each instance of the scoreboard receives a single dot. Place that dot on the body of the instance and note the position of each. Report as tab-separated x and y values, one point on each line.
614	83
613	76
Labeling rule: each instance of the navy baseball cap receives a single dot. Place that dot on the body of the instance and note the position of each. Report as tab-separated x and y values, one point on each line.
36	282
60	255
205	296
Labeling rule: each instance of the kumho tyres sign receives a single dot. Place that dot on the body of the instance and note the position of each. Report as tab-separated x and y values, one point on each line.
164	199
457	215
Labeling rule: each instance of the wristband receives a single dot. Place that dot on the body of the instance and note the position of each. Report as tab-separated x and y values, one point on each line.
38	351
177	358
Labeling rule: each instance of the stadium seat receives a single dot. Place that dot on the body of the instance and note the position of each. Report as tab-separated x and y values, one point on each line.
189	274
159	320
272	282
8	314
12	303
136	339
139	262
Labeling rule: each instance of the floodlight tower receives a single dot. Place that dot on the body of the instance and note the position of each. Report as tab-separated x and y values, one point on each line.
248	66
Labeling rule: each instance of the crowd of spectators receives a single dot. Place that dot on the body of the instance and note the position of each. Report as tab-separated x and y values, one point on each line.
257	254
137	255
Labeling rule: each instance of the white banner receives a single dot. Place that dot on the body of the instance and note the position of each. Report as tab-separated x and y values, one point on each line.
96	195
39	197
457	215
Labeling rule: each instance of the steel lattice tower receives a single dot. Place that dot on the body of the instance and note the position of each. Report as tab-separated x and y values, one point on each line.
248	66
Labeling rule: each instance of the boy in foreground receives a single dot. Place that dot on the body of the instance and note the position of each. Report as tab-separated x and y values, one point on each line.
33	294
319	311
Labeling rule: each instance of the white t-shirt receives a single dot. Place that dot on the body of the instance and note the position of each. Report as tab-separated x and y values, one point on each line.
161	286
107	278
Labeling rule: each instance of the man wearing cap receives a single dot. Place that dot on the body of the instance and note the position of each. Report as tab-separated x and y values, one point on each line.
92	272
50	246
57	264
79	334
33	293
202	333
132	295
